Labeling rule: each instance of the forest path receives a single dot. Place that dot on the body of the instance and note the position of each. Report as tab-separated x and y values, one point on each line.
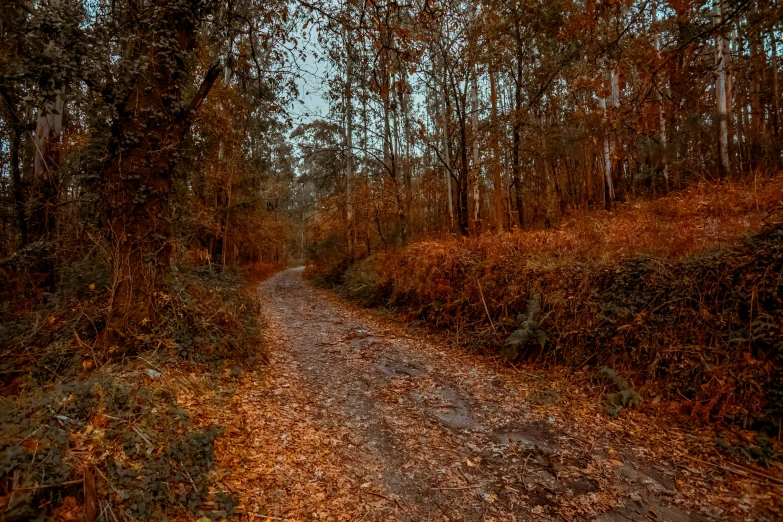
359	419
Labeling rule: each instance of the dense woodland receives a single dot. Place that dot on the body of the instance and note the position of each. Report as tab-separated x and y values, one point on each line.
471	117
135	132
581	184
444	118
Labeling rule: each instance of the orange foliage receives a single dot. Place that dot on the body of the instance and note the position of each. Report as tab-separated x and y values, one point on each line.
663	289
259	270
683	223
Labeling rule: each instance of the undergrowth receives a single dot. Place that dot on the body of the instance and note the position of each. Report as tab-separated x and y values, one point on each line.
684	294
147	452
70	408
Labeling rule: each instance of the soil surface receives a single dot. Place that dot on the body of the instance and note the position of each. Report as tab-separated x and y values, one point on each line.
360	418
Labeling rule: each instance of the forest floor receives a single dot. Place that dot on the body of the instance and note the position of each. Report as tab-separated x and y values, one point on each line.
361	418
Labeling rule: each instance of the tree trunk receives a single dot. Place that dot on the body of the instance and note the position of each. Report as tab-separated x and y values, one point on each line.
661	112
498	189
617	145
476	159
516	168
225	228
403	200
349	150
408	166
720	92
45	188
460	103
607	159
147	133
446	153
16	181
775	85
756	73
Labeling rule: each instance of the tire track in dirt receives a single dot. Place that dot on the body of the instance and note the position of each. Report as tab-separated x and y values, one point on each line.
359	419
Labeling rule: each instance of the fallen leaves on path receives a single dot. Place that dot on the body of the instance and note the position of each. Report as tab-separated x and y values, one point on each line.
356	418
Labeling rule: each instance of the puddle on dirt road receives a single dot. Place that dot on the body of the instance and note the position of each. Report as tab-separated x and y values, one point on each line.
453	412
393	368
505	438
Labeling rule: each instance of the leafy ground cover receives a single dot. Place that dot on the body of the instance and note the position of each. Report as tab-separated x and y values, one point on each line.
120	433
683	294
367	418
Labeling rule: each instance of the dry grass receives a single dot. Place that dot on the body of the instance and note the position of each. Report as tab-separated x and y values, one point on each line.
701	216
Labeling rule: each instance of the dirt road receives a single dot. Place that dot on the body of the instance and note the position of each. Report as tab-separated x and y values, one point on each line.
360	419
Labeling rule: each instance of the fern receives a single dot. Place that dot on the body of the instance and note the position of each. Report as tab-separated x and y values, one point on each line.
625	397
529	332
620	383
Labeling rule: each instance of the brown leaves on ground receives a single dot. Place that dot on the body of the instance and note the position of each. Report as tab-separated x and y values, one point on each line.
358	419
70	510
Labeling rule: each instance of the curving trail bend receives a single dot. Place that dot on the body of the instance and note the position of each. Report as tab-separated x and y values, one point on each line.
359	418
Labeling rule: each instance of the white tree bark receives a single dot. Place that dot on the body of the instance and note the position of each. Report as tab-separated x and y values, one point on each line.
720	88
661	112
607	152
47	127
446	153
498	189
